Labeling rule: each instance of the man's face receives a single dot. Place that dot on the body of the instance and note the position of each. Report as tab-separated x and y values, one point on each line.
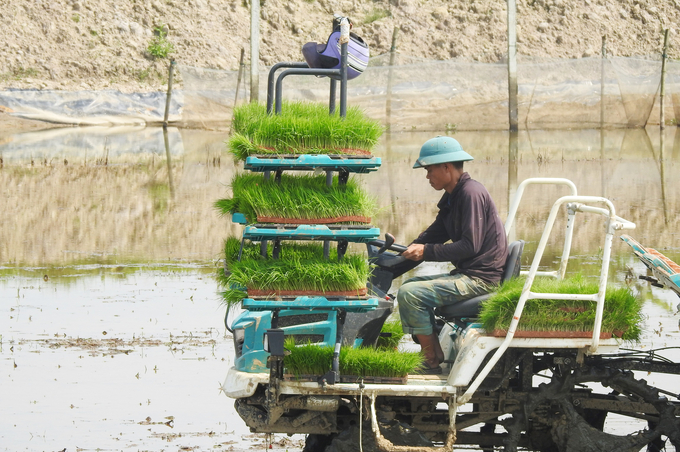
439	175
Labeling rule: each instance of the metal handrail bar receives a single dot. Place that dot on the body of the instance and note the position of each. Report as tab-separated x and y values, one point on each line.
512	213
613	223
270	80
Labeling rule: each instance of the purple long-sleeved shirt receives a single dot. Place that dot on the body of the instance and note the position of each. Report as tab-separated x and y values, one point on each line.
468	218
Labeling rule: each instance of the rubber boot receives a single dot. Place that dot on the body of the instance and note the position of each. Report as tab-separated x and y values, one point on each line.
431	349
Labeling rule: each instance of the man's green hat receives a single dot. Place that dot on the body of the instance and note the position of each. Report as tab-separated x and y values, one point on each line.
441	150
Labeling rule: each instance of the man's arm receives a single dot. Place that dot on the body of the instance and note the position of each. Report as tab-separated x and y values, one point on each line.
473	214
435	233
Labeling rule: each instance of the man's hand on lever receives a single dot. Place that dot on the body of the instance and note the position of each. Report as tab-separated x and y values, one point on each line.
414	252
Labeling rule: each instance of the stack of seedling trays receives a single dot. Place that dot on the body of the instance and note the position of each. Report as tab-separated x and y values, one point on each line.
294	267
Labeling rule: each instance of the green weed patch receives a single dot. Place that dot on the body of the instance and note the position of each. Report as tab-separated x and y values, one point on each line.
304	197
300	267
301	128
622	310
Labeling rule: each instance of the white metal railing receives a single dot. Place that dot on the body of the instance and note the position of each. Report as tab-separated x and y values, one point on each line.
574	204
512	213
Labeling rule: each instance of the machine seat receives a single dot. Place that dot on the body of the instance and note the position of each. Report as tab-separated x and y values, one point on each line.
469	309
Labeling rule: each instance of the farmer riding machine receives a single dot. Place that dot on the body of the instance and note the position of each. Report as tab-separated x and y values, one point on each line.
514	387
517	390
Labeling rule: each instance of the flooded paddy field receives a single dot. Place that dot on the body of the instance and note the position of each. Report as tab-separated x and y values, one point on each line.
111	325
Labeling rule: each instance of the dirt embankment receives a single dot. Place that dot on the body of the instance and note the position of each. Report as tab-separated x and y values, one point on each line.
103	44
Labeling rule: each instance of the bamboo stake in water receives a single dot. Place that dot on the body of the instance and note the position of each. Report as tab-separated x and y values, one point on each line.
254	50
664	55
388	102
512	65
603	178
602	61
662	125
166	142
241	66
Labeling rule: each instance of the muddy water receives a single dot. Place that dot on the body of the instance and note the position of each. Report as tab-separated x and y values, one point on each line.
111	327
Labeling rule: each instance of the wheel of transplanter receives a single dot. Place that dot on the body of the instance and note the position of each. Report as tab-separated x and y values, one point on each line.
578	417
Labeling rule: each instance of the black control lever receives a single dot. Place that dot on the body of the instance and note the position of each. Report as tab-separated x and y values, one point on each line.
388	244
389	241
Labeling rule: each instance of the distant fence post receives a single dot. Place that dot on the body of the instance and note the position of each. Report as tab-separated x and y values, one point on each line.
512	65
664	56
240	74
241	67
168	96
254	50
388	101
602	81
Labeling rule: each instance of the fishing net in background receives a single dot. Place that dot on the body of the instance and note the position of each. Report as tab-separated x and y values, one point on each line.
404	93
209	96
673	89
407	93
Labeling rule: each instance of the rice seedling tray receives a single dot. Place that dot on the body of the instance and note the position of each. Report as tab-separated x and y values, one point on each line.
325	162
329	220
312	303
555	318
295	198
350	233
665	271
350	379
257	293
301	128
313	360
556	334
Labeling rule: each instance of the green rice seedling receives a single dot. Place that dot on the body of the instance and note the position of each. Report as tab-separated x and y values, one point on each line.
393	327
300	267
304	197
311	359
622	314
301	128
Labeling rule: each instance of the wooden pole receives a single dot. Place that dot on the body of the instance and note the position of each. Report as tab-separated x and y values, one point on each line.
664	56
512	65
602	62
513	154
241	66
254	50
603	59
168	96
166	141
388	101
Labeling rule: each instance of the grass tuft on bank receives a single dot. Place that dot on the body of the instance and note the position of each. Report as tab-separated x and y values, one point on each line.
622	310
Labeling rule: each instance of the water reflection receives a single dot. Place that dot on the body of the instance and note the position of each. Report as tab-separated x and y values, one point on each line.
117	198
142	194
